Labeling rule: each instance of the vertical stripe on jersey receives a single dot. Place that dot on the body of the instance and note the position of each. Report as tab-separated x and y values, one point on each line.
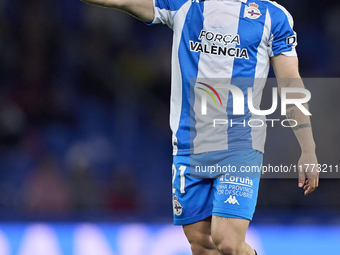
215	70
189	67
258	134
250	31
176	76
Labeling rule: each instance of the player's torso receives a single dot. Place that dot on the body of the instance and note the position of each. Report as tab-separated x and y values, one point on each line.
216	43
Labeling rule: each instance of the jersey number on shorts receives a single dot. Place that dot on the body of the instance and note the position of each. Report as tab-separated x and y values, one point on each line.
181	174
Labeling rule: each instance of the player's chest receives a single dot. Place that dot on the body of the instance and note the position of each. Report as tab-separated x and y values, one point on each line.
216	24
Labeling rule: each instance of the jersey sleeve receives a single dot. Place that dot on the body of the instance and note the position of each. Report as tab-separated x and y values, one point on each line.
165	11
283	38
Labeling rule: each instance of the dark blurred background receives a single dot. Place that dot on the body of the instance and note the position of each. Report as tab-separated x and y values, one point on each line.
84	106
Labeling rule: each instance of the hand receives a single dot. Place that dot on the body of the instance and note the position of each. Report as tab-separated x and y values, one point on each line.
308	172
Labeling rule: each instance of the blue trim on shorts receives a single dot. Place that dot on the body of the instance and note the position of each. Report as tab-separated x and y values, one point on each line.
192	219
226	215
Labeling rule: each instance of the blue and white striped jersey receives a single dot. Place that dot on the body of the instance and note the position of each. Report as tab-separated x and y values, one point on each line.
216	43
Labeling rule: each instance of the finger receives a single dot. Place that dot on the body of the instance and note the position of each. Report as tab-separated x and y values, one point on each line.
313	182
309	190
317	178
311	186
301	179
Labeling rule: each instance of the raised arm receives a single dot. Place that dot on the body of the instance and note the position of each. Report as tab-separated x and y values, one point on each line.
141	9
287	74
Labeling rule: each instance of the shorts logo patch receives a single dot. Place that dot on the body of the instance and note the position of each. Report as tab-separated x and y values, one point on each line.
232	200
252	11
178	208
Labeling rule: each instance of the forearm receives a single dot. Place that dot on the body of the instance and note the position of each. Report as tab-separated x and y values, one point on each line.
302	128
301	124
105	3
140	9
287	74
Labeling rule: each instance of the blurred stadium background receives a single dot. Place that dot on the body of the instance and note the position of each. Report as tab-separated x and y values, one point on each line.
84	135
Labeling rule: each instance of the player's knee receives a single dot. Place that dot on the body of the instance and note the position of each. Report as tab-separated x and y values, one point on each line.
200	243
229	250
198	249
227	246
202	246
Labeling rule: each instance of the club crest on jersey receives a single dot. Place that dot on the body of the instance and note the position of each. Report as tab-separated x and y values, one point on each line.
251	11
178	208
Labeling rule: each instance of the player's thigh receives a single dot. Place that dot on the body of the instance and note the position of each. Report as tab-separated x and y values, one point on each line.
230	231
199	233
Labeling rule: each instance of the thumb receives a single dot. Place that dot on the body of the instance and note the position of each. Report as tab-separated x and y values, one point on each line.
301	179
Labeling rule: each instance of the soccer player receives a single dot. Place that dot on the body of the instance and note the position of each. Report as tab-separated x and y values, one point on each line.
220	49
